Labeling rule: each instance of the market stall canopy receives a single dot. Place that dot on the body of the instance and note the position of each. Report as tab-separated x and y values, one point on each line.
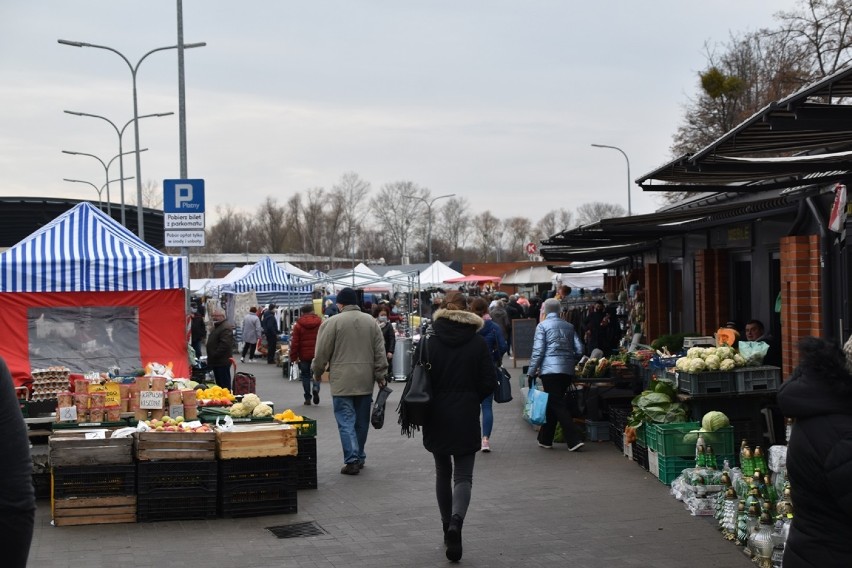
437	274
271	283
473	279
203	286
588	280
85	250
528	275
296	271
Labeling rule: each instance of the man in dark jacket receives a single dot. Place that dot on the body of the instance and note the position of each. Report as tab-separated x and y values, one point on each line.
270	329
17	497
819	455
220	346
303	343
501	317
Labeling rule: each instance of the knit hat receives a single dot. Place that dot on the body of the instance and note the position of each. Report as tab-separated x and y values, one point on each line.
847	350
347	297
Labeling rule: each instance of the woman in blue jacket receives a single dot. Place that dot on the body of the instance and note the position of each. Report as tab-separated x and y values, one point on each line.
497	347
556	349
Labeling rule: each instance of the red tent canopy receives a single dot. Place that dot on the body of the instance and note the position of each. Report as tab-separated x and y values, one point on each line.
473	278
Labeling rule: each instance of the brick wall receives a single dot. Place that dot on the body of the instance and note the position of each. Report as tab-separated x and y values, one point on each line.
656	287
711	290
801	310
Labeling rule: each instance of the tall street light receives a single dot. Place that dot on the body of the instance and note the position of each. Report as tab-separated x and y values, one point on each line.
120	132
133	70
99	190
429	213
106	166
629	209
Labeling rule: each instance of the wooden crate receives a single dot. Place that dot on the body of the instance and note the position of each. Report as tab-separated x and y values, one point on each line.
66	451
257	441
94	510
175	446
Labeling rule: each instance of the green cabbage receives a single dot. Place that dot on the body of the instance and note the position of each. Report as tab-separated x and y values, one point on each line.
714	420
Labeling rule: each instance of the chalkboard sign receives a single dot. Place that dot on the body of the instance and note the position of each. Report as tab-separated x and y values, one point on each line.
523	331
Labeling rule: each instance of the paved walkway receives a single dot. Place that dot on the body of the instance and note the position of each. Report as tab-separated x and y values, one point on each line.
530	507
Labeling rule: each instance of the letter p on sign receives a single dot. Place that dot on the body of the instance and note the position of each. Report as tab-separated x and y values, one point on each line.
183	195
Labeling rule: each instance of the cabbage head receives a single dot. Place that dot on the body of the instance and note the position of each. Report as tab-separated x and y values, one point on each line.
714	420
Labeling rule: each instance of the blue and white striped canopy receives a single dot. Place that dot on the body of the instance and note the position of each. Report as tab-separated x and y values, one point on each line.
85	250
266	277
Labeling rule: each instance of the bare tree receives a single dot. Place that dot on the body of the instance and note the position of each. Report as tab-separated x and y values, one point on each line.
589	213
486	234
351	192
822	29
553	222
152	195
518	233
452	225
394	212
231	233
313	221
271	225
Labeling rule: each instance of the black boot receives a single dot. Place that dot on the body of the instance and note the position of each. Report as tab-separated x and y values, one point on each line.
454	539
445	526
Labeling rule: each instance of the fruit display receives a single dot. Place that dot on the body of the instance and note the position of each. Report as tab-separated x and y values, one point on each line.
301	422
215	396
169	424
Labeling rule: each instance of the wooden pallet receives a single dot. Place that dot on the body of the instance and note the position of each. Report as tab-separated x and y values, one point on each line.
257	441
175	446
73	451
94	510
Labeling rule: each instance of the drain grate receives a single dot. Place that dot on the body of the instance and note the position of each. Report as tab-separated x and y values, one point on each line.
297	530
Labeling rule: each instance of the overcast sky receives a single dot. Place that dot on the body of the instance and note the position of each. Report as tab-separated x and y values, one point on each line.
494	100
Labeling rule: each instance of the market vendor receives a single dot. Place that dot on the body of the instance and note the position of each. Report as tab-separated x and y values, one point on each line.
755	331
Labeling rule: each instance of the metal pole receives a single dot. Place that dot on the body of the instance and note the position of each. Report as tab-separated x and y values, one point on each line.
629	207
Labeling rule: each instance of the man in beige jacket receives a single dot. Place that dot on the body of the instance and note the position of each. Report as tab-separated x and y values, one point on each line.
352	346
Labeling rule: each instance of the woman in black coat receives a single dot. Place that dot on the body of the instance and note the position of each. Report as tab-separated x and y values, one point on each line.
819	455
462	374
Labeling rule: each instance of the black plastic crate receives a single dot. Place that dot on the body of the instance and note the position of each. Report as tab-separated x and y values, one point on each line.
616	436
256	500
280	469
154	476
180	505
618	416
640	456
94	481
306	464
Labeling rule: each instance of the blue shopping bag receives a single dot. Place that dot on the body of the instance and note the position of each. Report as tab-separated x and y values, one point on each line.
535	408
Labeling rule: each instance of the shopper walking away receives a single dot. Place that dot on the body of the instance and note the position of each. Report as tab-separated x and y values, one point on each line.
388	333
303	342
462	374
220	344
251	334
555	351
197	328
17	496
352	346
270	329
818	396
501	317
497	348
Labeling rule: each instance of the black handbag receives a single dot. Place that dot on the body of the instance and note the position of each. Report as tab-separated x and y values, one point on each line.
377	418
503	390
414	403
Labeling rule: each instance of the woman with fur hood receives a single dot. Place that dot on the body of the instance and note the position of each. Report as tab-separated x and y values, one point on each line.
818	396
462	375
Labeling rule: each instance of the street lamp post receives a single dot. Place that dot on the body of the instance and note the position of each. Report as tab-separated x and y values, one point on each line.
133	70
106	170
429	219
629	208
99	190
120	132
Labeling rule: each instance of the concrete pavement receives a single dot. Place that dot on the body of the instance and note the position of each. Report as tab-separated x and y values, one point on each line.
530	507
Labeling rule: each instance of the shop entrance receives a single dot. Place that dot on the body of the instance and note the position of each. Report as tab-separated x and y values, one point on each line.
741	289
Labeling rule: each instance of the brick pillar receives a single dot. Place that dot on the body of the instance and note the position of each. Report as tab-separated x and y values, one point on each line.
801	306
711	290
656	300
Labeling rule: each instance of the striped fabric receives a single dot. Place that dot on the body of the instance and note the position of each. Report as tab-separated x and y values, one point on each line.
268	279
84	250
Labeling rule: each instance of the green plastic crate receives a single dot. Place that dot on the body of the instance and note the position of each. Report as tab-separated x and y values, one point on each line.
666	469
667	439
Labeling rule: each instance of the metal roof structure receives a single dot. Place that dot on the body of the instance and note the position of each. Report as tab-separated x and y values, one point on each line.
807	134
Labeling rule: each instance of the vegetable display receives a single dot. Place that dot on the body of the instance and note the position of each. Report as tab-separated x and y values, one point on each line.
657	404
701	359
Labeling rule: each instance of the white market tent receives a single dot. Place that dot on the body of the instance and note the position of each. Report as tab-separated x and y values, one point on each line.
528	276
296	271
437	274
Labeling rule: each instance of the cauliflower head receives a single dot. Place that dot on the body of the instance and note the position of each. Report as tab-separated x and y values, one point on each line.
262	410
240	410
739	360
694	352
697	366
708	351
727	365
725	352
682	364
251	400
712	362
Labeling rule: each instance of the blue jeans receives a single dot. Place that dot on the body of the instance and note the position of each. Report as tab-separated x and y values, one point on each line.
487	416
353	422
308	384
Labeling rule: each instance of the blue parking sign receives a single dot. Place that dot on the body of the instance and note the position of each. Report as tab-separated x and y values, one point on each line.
183	196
